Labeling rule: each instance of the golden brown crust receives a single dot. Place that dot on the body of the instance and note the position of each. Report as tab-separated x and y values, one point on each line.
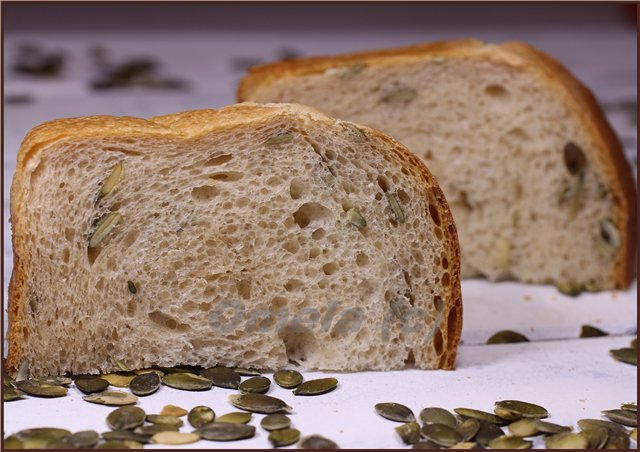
556	77
185	125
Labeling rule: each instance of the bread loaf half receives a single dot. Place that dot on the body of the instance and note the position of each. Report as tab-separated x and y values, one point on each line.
534	175
255	235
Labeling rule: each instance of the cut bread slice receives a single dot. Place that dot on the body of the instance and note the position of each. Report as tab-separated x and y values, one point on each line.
256	236
534	175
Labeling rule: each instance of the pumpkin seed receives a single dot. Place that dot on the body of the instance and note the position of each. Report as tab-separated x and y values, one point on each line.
132	287
468	429
574	159
526	409
126	418
226	432
634	434
399	96
281	138
426	445
37	438
507	414
596	437
316	442
83	440
630	407
200	415
395	207
259	403
119	379
275	422
569	288
591	331
33	388
146	371
12	442
441	434
223	377
624	417
23	371
288	379
57	444
625	355
145	384
487	433
409	432
618	439
11	393
507	337
435	415
150	430
590	424
566	440
127	435
235	417
258	385
162	419
112	444
246	372
122	366
104	228
609	233
355	218
634	343
187	382
551	428
480	415
316	387
355	130
113	398
90	385
59	381
509	442
463	445
113	179
284	437
524	428
395	412
174	438
172	410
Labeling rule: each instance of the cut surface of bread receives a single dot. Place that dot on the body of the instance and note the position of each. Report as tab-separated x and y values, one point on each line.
534	175
256	235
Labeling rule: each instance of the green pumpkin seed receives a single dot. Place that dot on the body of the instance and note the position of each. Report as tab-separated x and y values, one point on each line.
11	393
175	438
146	371
223	377
12	442
122	366
83	440
161	419
187	382
509	442
409	432
104	228
37	438
119	379
281	138
172	410
630	407
200	416
235	417
33	388
591	331
507	337
226	432
468	429
426	445
480	415
258	385
487	433
112	444
354	130
618	439
113	398
57	444
288	379
441	434
526	409
259	403
91	385
566	440
126	435
395	412
316	442
634	434
145	384
463	445
399	96
550	428
150	430
435	415
284	437
59	381
624	417
132	287
524	428
355	218
507	414
114	177
625	355
246	372
596	437
126	418
316	387
275	422
398	213
590	424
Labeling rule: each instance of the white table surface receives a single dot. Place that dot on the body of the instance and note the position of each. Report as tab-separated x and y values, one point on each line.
573	378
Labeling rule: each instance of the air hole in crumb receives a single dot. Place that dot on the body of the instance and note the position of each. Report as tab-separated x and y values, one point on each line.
403	196
204	193
296	188
438	342
378	196
330	268
437	301
291	246
279	302
311	213
445	263
433	211
293	285
346	205
318	234
227	176
314	252
218	160
162	319
69	234
496	91
452	327
362	259
438	233
130	238
65	255
244	289
92	254
383	183
410	359
446	279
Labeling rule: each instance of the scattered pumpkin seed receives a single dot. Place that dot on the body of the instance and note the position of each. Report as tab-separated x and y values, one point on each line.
146	371
288	379
590	424
609	233
426	445
625	355
112	444
463	445
223	377
618	439
566	440
316	387
126	418
200	416
33	388
11	393
122	366
246	372
624	417
187	382
174	438
90	385
409	432
468	429
629	406
59	381
163	419
596	437
275	422
223	431
281	138
11	442
480	415
435	415
119	379
509	442
507	414
258	385
83	440
591	331
524	428
398	213
441	434
57	444
172	410
316	442
487	432
399	96
526	409
37	438
634	434
145	384
104	228
395	412
110	182
259	403
150	430
132	287
569	288
126	435
235	417
550	428
284	437
507	337
574	159
112	398
355	218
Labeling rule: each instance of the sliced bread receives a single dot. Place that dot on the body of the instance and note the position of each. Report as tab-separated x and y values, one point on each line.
255	235
534	175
